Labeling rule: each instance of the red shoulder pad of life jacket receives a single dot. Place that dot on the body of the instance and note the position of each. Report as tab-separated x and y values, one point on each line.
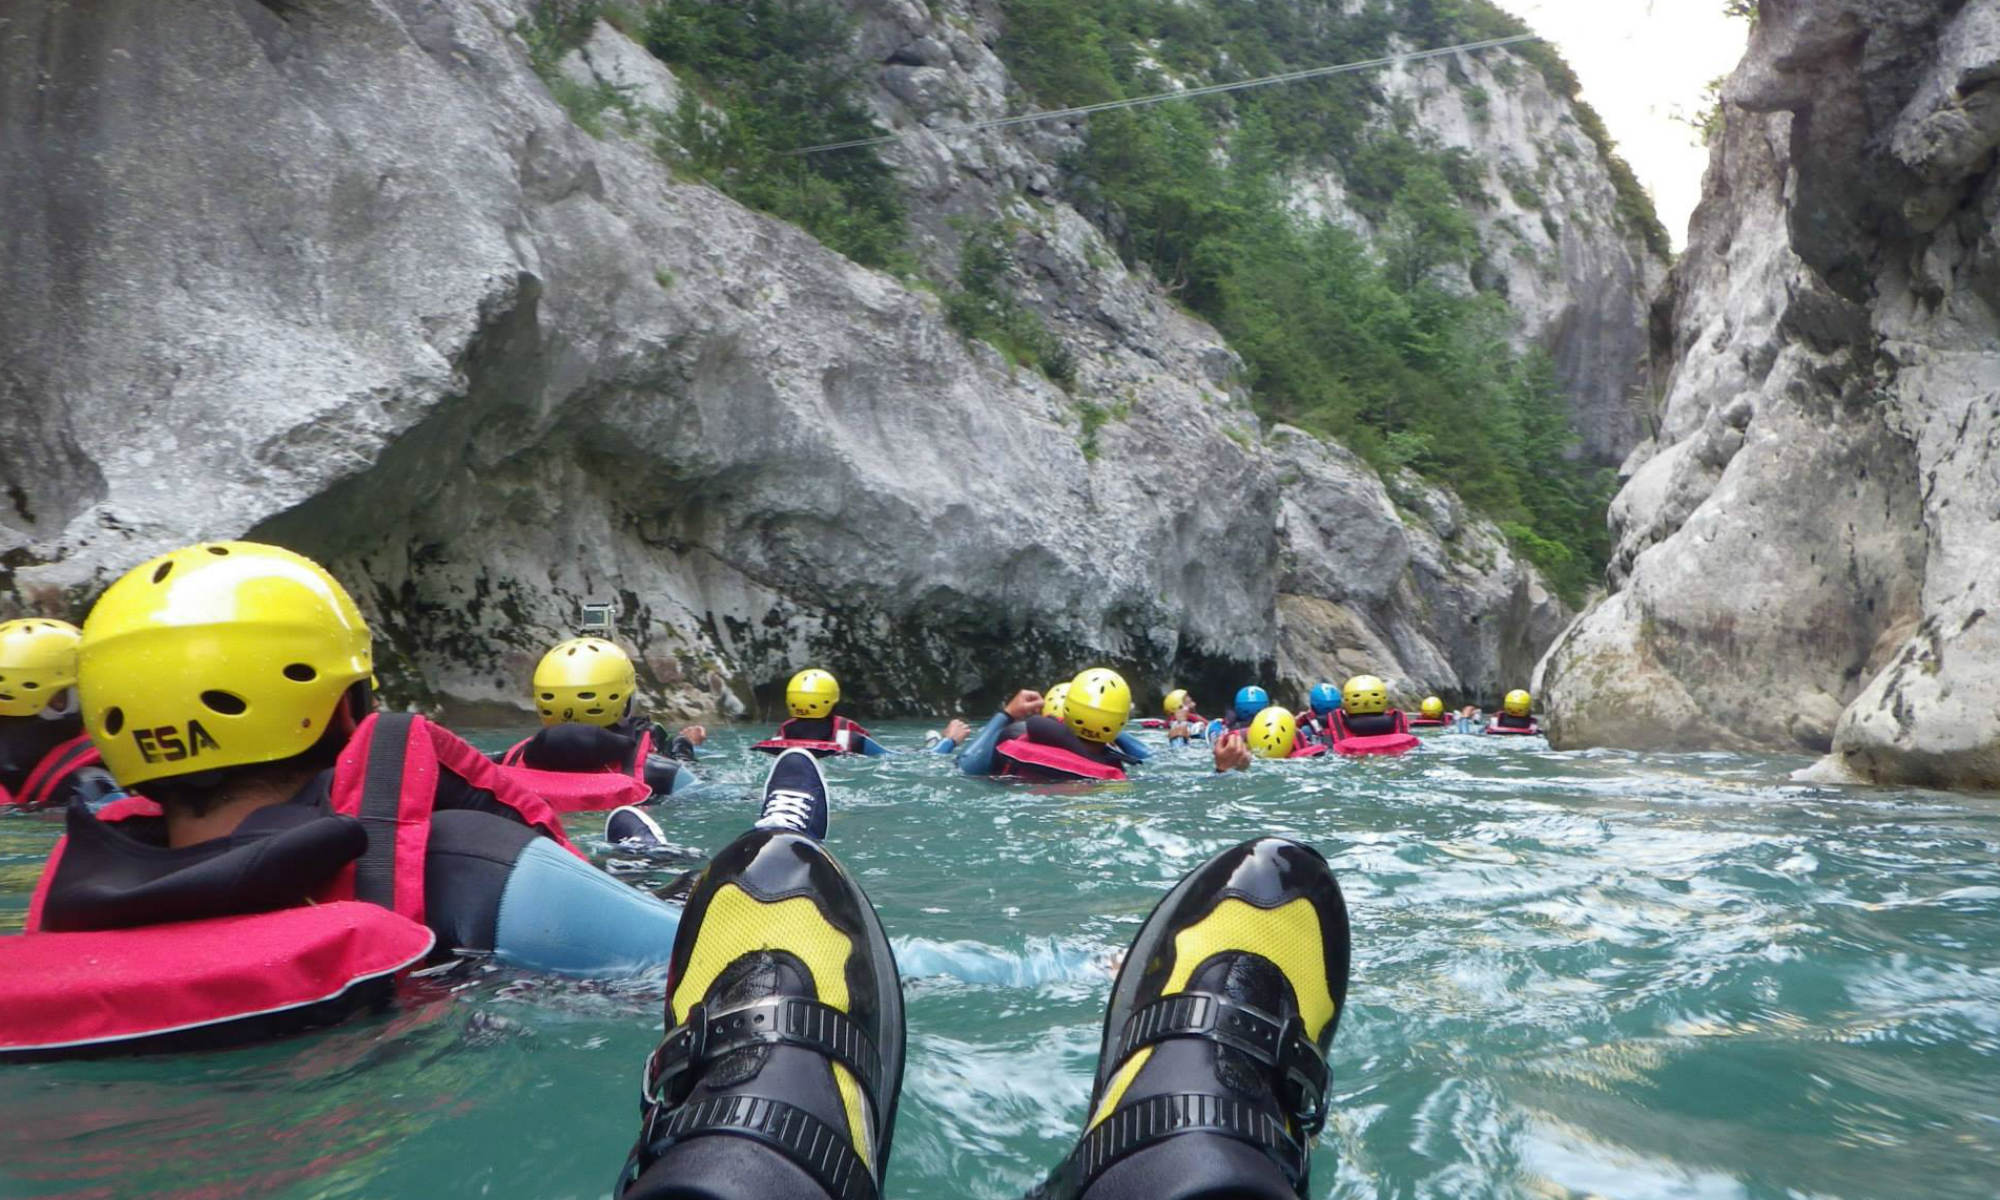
780	745
1499	730
580	791
70	994
1056	760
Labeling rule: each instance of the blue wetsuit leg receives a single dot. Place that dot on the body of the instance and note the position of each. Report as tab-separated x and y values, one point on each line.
1132	748
872	748
560	914
978	756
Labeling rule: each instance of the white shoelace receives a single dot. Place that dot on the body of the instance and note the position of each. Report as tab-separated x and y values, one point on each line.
788	810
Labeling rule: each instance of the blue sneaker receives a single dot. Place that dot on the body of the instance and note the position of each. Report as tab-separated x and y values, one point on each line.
633	828
795	795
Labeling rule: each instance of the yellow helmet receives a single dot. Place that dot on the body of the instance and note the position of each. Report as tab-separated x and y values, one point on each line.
1272	733
37	664
1176	700
1052	701
1364	695
812	693
1518	703
587	680
1431	707
217	655
1097	705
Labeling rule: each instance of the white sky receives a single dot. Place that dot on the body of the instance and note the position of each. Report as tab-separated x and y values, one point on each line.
1642	62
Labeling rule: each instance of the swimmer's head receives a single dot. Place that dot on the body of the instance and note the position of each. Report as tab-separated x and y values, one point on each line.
38	667
1364	696
1097	705
1272	734
812	693
220	655
585	680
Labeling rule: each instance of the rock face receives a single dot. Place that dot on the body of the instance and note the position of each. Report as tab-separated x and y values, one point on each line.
1807	556
348	278
1554	242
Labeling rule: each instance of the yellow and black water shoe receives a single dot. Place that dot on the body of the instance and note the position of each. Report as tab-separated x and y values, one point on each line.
1212	1075
784	1057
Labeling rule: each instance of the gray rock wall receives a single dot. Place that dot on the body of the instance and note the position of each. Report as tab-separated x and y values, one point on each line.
345	276
1809	553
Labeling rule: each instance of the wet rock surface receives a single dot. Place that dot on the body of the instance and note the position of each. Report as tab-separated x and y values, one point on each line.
348	277
1807	554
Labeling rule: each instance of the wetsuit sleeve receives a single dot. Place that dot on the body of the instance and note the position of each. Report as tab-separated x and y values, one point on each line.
666	776
677	747
944	746
872	748
1132	748
978	756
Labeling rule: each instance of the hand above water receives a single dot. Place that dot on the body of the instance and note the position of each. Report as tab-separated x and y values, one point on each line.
957	732
1026	703
695	734
1232	752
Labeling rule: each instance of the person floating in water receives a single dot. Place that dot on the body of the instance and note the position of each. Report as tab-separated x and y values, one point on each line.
46	758
229	686
1430	714
586	692
1516	715
810	698
1184	722
1320	705
1250	700
782	1064
1028	739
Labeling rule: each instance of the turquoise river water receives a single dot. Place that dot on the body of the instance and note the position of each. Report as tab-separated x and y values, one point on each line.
1595	974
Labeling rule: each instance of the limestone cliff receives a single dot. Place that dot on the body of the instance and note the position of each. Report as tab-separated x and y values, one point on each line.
1807	553
350	278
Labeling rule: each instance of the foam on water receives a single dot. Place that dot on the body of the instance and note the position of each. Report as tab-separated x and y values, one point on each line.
1595	974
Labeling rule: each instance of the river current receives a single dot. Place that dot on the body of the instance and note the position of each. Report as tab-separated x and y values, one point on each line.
1575	975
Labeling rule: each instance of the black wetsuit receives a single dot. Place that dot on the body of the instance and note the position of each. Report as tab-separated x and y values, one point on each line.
573	746
119	875
1509	721
1370	724
26	741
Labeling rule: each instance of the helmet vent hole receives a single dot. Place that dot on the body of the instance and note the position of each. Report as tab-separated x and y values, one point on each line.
114	721
219	551
586	695
227	703
160	572
300	673
548	695
30	684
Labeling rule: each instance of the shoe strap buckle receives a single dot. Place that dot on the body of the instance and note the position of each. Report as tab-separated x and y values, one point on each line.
670	1069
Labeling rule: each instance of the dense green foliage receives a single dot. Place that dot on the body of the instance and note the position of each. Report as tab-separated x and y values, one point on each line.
777	75
984	306
1359	343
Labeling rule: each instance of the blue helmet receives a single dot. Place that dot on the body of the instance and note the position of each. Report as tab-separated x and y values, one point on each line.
1325	698
1250	701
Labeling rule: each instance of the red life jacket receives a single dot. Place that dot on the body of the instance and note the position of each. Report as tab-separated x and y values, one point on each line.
1428	722
1530	730
1346	741
1305	749
224	980
822	747
42	784
614	786
1022	758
